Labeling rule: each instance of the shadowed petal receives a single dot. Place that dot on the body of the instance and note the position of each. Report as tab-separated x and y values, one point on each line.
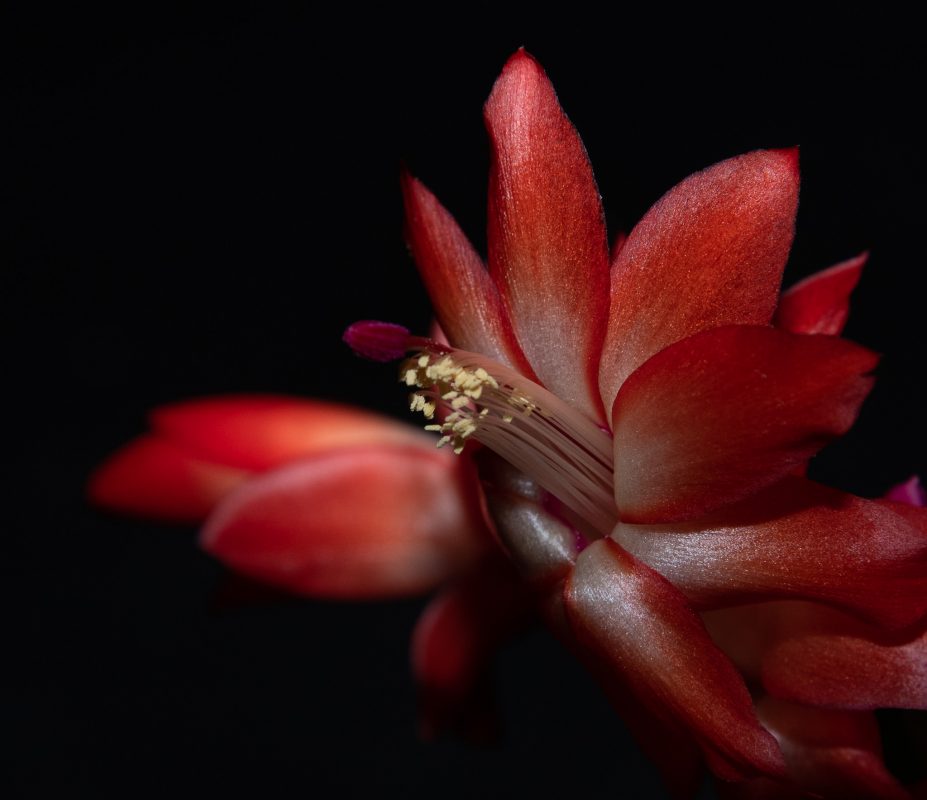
709	253
258	432
465	298
152	477
798	539
845	664
642	627
829	754
547	247
353	522
457	636
724	413
821	302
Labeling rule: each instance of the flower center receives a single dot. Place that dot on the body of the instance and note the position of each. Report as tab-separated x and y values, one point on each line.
528	426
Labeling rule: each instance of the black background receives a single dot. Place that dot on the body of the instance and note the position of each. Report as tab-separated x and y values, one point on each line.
203	201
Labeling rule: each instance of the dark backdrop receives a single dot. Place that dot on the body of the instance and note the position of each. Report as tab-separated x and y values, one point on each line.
204	201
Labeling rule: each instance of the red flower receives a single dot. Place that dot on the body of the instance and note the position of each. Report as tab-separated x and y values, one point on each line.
651	423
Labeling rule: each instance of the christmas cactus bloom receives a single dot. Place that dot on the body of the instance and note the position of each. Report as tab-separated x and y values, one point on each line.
626	440
646	418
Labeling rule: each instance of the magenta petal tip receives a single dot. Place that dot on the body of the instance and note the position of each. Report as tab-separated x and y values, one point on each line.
378	341
910	492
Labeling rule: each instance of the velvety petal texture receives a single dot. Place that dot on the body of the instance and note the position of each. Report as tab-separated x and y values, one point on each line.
719	415
709	253
548	250
797	539
821	302
353	523
642	627
844	664
466	302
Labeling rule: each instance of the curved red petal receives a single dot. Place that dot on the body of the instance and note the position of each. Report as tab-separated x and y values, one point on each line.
547	246
152	477
724	413
821	302
643	629
353	522
829	754
465	298
457	635
849	666
709	253
258	432
796	540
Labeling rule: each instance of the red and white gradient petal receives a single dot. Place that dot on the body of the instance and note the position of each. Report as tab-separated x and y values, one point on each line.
722	414
709	253
821	302
637	623
465	298
259	432
548	250
456	638
366	522
154	478
797	540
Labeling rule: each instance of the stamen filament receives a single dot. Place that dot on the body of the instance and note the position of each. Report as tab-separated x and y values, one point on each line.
528	426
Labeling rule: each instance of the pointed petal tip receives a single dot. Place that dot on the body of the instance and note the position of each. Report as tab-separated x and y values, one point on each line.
377	341
790	155
153	478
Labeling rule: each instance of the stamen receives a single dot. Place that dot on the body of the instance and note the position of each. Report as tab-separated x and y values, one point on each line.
532	429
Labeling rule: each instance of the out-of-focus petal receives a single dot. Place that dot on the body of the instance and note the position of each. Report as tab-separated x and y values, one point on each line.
709	253
547	247
642	627
258	432
911	492
724	413
455	639
152	477
797	539
829	754
353	522
464	295
821	302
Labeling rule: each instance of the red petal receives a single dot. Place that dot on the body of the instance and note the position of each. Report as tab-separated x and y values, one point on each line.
547	245
797	539
465	298
638	623
845	664
835	754
709	253
717	416
363	522
152	477
821	302
456	637
258	432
